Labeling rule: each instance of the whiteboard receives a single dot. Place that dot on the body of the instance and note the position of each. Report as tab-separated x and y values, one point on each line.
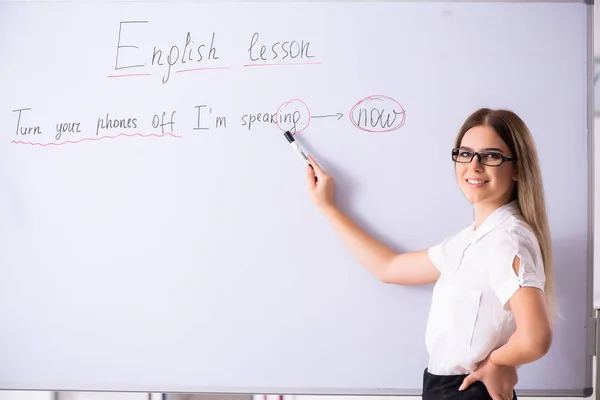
156	231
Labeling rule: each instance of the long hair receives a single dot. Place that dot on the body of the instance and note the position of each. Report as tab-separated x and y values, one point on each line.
529	190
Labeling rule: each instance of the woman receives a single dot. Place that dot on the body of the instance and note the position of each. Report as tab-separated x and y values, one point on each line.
493	298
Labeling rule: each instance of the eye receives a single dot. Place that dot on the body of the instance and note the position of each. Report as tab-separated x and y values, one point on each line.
492	156
465	154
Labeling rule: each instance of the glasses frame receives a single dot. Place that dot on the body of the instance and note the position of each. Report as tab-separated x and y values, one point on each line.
478	154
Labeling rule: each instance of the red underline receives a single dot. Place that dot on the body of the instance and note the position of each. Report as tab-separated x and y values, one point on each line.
281	64
122	76
203	69
97	138
222	68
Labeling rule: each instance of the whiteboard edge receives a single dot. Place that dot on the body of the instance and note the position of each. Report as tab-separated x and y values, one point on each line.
590	2
589	373
569	393
591	307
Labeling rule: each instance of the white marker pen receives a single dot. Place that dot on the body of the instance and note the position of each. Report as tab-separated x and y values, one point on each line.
293	143
299	151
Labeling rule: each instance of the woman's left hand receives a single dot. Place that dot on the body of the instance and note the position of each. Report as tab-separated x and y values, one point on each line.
499	380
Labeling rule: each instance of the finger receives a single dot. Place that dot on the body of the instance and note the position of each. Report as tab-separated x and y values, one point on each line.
312	169
310	176
318	170
469	379
504	396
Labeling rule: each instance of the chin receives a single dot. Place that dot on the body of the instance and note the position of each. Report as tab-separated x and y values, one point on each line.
474	197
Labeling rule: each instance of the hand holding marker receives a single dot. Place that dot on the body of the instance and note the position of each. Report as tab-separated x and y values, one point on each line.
299	151
323	192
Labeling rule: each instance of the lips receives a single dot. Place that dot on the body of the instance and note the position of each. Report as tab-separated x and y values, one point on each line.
476	183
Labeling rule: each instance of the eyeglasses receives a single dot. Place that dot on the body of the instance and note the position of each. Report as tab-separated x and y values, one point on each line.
489	158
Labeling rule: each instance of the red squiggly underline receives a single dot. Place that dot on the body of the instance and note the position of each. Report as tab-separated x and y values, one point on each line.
223	68
98	138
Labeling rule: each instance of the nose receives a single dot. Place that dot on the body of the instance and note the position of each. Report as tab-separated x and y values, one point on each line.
476	164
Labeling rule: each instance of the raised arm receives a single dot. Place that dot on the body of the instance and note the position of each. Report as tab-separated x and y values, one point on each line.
412	268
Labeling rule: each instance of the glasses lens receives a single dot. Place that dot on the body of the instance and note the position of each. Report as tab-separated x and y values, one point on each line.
493	159
462	156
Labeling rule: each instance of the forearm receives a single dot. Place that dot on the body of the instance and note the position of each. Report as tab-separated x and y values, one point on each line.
369	252
519	350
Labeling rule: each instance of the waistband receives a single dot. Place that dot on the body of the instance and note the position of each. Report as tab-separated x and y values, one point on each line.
445	387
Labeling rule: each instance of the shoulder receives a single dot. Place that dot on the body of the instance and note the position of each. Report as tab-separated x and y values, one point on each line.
514	235
515	258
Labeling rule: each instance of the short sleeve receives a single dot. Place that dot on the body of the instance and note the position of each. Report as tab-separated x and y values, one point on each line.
505	282
438	254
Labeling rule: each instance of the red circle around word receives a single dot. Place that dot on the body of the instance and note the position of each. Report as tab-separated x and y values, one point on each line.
377	97
285	105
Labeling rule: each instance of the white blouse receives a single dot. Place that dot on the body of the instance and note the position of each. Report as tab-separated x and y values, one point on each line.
470	315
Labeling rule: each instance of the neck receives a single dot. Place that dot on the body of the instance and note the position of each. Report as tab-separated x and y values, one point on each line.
482	211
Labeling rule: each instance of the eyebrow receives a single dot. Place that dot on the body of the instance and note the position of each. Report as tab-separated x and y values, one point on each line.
486	149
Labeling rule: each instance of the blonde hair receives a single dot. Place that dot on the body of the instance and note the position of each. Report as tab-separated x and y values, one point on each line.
529	190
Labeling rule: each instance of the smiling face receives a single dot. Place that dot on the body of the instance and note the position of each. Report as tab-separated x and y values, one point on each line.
484	184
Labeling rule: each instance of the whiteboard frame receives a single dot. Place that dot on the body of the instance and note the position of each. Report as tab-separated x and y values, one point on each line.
593	343
590	2
591	203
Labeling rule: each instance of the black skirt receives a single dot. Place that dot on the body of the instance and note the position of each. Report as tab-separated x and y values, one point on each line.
445	387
